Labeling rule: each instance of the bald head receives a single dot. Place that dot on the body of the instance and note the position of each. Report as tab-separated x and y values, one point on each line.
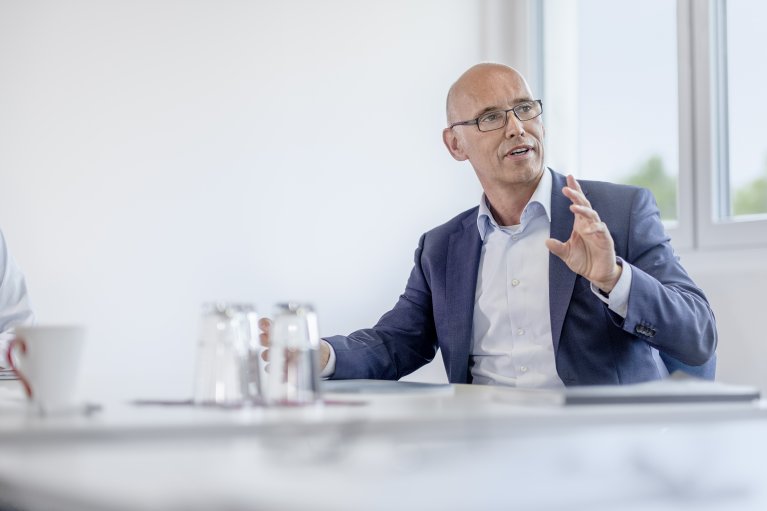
494	153
473	84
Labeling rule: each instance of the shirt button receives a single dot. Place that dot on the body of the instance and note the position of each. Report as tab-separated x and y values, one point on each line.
515	282
515	237
520	332
523	369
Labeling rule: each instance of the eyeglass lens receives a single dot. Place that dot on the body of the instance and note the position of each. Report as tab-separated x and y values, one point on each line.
497	119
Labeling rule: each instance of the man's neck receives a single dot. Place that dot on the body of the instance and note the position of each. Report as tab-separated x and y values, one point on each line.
507	204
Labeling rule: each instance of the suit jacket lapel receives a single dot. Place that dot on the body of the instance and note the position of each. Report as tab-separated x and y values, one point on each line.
561	278
463	254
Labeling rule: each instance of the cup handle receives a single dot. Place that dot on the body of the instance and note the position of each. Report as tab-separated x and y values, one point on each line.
18	341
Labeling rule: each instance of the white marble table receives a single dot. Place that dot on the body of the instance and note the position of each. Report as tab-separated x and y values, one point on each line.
447	447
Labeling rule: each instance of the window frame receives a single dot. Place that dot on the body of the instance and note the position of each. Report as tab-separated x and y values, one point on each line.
703	222
714	227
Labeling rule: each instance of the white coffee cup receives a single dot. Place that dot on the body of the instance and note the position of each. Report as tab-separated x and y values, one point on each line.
46	360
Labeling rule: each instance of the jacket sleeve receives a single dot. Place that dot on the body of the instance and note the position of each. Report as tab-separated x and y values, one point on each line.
665	307
403	340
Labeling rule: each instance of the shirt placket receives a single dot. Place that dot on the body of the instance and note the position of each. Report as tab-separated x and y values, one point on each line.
516	303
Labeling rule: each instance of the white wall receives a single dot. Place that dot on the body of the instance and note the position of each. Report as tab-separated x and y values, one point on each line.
158	154
734	281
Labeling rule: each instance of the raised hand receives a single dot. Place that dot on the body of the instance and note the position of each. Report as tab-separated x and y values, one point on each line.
590	251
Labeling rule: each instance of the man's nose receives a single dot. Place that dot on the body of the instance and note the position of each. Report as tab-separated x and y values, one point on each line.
513	125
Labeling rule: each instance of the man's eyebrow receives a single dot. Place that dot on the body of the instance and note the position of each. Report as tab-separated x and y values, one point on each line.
493	108
488	109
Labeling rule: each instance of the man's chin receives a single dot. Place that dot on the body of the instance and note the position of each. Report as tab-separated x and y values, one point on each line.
528	172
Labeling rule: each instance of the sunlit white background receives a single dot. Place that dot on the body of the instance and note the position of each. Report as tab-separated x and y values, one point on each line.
156	155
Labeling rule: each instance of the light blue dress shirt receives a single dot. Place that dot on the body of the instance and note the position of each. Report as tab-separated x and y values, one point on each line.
511	336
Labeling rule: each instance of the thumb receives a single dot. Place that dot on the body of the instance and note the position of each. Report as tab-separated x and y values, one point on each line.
557	248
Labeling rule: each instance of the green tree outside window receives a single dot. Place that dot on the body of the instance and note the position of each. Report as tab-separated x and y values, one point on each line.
751	198
652	175
748	199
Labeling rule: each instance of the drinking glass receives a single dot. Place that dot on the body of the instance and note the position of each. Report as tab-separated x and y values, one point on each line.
294	355
227	370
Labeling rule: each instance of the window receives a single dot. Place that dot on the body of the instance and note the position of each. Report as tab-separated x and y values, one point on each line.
665	95
741	32
623	85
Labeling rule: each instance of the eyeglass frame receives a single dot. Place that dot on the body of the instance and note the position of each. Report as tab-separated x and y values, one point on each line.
513	109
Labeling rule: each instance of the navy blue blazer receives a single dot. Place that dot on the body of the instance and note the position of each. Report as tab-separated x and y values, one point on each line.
592	345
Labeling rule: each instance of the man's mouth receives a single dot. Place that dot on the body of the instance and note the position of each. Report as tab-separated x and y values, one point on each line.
519	151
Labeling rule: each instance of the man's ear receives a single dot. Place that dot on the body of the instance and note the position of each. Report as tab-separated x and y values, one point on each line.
453	145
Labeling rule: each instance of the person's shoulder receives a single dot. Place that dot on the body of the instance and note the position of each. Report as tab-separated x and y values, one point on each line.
437	239
459	222
615	195
606	187
441	234
605	191
619	204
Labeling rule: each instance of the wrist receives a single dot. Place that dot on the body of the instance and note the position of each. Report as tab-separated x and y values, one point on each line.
324	354
606	286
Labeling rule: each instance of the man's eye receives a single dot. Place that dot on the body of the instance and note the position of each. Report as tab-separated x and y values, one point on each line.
524	108
490	117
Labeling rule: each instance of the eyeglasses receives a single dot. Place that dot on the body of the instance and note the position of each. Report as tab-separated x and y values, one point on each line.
497	119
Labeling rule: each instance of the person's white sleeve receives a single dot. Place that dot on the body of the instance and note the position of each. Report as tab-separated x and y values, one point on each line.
330	367
618	300
14	302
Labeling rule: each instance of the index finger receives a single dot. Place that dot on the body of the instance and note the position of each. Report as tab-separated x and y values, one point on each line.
574	192
573	183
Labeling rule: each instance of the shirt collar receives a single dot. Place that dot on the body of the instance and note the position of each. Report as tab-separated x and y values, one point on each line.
541	196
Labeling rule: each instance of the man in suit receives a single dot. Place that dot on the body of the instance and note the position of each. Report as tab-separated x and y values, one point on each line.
548	282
